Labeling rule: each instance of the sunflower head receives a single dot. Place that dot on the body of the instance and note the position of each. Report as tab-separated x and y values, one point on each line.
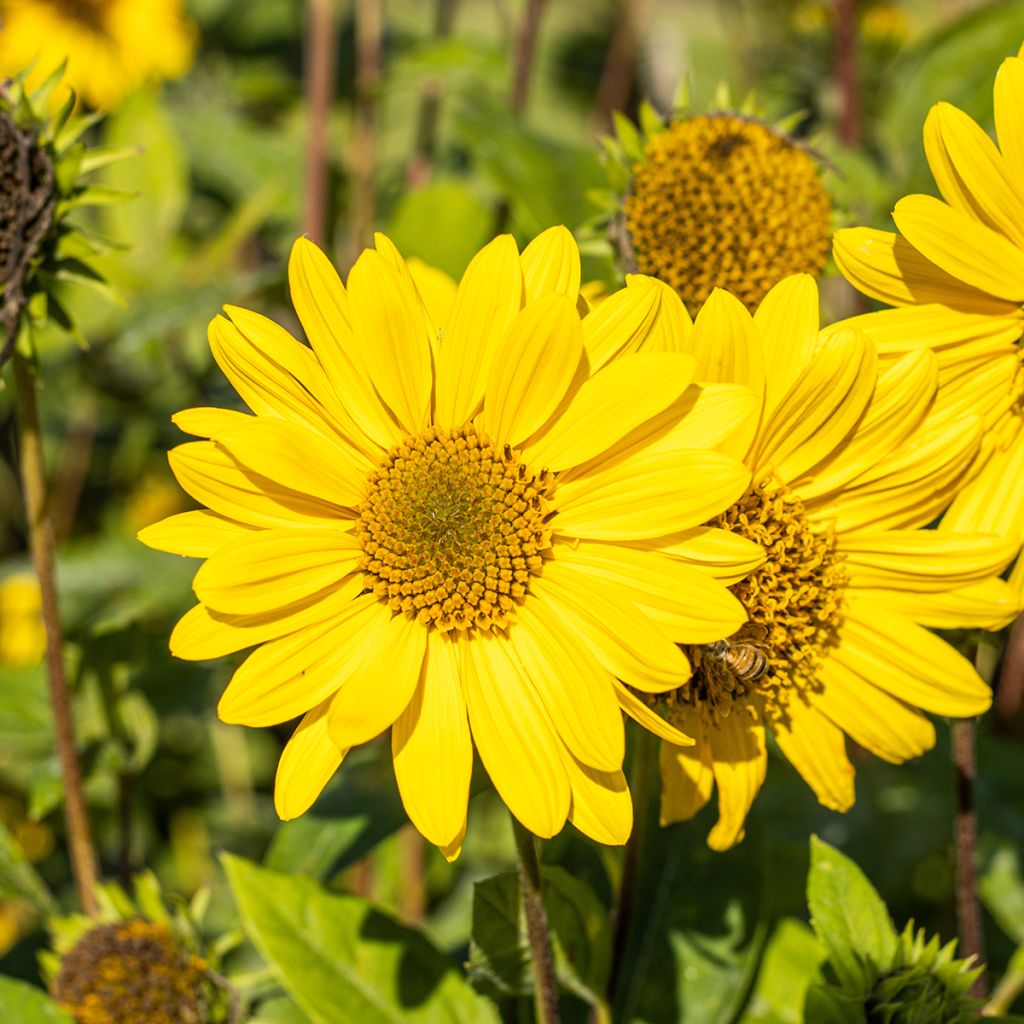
719	200
43	164
136	962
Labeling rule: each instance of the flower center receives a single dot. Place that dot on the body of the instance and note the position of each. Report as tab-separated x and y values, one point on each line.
452	529
795	604
725	201
128	972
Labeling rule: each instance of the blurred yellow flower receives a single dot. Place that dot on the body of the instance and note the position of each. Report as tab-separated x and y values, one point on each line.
154	497
22	636
956	270
845	464
455	530
722	200
111	46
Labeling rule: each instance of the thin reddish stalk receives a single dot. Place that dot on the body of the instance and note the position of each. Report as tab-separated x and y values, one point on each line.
40	536
319	80
849	128
526	49
616	81
369	33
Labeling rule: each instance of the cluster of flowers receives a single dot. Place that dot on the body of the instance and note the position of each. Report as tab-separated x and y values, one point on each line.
497	516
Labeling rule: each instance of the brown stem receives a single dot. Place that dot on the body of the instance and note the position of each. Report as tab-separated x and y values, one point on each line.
526	47
412	899
545	989
616	81
40	536
642	783
849	127
69	480
319	79
965	833
1010	691
369	30
429	115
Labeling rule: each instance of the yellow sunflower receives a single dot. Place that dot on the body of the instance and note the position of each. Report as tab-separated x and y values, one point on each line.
111	46
956	270
22	636
845	464
460	531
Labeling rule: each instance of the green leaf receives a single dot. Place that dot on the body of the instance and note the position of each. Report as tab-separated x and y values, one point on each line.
27	1005
791	963
580	933
279	1011
848	916
342	960
1002	891
26	722
498	958
19	880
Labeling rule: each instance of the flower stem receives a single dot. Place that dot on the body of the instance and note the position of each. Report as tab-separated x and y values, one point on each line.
319	77
545	990
40	536
965	830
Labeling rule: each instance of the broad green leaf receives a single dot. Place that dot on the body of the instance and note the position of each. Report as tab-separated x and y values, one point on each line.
279	1011
499	957
580	933
1002	890
342	960
24	1004
26	723
848	915
791	962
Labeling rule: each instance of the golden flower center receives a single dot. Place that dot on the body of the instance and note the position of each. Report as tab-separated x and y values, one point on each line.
725	201
795	604
130	972
453	528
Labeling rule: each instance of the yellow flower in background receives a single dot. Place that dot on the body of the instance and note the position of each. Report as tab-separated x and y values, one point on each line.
956	270
845	464
457	530
22	636
723	200
111	46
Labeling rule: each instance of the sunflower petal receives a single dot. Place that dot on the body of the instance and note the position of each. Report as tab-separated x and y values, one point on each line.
307	763
551	265
1009	102
787	321
432	747
196	534
601	807
686	775
990	604
739	763
652	722
817	750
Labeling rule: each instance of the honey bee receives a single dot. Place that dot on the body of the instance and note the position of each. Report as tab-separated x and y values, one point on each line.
743	658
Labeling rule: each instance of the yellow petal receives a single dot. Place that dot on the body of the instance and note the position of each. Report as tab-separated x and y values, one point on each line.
816	414
389	322
516	740
888	268
307	763
379	688
994	500
202	634
625	640
489	297
535	363
195	534
551	265
787	320
322	304
686	775
817	750
970	172
652	722
924	560
692	607
572	686
910	663
672	327
727	556
432	747
437	290
274	568
621	323
215	479
990	604
650	494
902	396
887	727
1009	102
637	387
726	344
962	246
722	416
207	421
601	807
286	677
739	763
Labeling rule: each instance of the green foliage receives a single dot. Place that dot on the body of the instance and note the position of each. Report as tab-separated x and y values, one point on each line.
27	1005
342	960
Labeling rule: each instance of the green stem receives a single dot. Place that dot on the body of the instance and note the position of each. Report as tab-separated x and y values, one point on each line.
545	989
40	537
642	783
